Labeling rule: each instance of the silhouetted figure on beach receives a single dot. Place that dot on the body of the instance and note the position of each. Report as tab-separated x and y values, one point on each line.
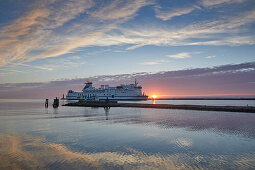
106	109
56	103
107	102
46	103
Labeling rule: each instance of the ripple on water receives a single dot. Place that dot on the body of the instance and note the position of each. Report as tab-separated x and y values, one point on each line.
27	152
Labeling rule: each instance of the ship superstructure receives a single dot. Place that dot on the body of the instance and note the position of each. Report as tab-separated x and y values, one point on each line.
122	92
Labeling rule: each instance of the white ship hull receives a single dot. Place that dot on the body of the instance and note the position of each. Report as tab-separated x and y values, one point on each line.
122	92
110	98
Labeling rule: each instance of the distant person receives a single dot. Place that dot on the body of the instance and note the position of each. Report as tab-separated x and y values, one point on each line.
106	112
56	103
46	103
107	102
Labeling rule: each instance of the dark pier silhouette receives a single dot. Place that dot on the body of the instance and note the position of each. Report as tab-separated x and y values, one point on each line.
248	109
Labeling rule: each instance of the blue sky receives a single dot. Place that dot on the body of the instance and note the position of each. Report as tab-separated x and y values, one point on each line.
42	41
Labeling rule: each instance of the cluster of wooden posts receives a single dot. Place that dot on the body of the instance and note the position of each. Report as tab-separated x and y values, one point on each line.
55	103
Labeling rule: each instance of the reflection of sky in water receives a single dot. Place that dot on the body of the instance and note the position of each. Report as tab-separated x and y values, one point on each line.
125	137
201	102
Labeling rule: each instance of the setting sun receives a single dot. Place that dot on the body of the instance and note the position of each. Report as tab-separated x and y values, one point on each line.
154	97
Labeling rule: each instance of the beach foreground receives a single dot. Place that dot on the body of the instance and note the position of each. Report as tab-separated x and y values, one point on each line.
34	137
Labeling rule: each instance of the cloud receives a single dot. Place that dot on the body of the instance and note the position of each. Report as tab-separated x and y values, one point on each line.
180	55
228	31
154	62
33	32
46	65
226	80
211	56
212	3
56	63
54	28
167	15
120	10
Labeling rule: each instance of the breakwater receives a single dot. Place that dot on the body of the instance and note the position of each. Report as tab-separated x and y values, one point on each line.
248	109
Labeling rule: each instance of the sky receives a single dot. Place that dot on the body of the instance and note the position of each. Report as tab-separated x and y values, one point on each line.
173	47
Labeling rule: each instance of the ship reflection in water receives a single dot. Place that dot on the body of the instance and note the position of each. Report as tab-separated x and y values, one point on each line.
123	138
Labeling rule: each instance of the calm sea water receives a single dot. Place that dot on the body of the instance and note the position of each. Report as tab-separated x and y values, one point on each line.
32	137
201	102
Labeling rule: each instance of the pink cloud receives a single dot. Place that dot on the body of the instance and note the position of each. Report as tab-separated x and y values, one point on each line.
227	80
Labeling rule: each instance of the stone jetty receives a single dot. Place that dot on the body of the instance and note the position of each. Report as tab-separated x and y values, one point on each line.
248	109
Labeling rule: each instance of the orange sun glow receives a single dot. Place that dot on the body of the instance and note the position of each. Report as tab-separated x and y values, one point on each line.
154	97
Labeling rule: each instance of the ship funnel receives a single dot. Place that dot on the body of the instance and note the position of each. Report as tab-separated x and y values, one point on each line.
102	86
106	86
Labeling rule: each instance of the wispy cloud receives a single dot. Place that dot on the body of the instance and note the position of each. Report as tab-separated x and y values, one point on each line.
228	31
169	14
23	39
43	32
211	56
55	28
49	65
224	80
154	62
180	55
120	10
210	3
42	67
57	63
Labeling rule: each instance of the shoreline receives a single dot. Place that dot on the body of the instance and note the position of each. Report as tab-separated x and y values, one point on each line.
246	109
203	98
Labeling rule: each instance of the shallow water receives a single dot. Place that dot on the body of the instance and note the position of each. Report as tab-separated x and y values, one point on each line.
123	138
201	102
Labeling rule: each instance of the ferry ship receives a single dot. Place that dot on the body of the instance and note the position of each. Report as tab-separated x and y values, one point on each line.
122	92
